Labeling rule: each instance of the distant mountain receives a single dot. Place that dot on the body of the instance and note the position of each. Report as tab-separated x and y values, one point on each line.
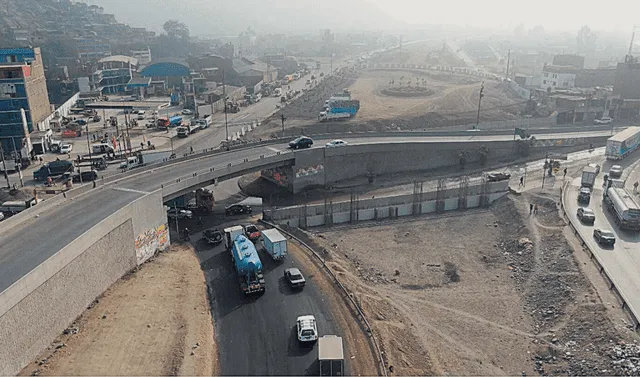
229	17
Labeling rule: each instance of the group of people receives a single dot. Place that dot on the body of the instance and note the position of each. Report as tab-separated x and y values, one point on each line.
533	209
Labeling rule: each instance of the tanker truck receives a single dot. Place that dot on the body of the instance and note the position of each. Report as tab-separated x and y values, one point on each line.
245	260
621	204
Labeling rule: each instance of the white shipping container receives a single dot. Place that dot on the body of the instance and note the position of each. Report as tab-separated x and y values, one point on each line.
274	243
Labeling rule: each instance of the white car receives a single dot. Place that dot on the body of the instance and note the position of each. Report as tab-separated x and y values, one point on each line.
603	120
336	143
615	171
307	328
187	112
66	148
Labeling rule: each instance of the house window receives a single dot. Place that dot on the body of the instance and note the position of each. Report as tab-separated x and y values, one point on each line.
546	74
544	81
555	83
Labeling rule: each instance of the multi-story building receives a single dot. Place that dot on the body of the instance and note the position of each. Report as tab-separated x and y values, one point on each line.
143	56
560	77
24	103
112	74
91	49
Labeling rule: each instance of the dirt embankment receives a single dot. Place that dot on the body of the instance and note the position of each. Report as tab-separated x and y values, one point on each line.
486	292
155	321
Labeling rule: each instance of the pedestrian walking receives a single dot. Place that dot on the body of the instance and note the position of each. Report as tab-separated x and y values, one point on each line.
635	187
191	148
535	209
521	182
530	209
565	173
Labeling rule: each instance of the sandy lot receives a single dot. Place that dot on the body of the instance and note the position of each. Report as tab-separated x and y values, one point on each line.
486	292
155	321
454	97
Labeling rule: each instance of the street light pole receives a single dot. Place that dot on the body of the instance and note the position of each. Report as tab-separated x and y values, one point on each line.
224	97
17	161
479	102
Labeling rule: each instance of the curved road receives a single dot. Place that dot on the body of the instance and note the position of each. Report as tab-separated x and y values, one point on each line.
25	246
257	335
621	262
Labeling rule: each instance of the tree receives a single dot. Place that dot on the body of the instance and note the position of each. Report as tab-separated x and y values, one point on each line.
176	29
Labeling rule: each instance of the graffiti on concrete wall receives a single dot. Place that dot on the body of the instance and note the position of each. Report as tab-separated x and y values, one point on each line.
151	241
309	171
570	142
279	175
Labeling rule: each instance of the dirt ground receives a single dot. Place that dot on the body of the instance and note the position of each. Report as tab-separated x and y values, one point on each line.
452	99
155	321
486	292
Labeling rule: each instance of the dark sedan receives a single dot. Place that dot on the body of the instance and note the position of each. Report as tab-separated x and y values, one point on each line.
301	142
237	209
604	237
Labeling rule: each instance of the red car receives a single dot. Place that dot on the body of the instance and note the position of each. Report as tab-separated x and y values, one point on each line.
251	232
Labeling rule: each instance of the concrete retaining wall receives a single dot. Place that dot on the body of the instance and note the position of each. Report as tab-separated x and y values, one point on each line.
38	307
388	207
323	167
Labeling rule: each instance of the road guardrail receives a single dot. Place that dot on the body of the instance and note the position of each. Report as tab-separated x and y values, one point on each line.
349	296
611	281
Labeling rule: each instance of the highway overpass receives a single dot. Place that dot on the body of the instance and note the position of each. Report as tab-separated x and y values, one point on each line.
56	257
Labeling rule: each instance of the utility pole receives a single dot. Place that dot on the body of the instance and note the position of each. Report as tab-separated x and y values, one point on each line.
282	119
508	61
18	161
479	103
224	97
4	166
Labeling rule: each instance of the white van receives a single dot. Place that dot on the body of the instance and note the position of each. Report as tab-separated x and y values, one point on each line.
141	114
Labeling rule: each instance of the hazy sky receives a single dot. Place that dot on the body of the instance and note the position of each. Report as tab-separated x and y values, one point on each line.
552	14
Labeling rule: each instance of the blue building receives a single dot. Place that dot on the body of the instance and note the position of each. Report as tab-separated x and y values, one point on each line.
24	101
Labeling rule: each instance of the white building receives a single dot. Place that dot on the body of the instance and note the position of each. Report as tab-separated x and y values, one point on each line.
143	56
557	77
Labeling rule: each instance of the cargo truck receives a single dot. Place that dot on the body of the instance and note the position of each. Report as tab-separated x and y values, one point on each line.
274	243
146	158
53	169
621	204
330	355
204	200
623	143
589	174
246	262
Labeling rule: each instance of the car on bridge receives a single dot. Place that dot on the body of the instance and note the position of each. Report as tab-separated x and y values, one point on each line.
586	215
603	120
301	142
336	143
604	237
237	209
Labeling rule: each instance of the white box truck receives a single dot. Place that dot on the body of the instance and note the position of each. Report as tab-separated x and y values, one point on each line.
623	143
331	355
274	243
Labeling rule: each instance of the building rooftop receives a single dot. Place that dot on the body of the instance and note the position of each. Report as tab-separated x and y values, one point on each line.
119	58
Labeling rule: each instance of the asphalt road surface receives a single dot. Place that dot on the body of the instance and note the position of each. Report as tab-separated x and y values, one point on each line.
26	246
256	336
622	261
